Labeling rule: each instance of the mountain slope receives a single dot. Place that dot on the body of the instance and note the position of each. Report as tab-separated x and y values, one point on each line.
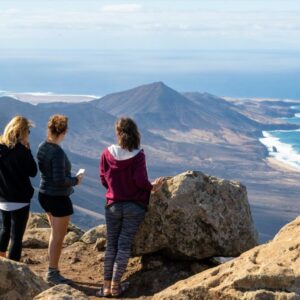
90	128
157	106
222	112
85	121
154	106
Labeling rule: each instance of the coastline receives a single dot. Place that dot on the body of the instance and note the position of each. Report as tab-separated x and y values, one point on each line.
280	155
48	97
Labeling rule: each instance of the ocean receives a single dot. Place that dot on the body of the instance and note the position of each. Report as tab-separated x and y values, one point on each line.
94	72
284	145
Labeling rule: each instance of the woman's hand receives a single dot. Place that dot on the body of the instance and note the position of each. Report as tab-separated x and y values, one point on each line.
157	183
79	178
25	140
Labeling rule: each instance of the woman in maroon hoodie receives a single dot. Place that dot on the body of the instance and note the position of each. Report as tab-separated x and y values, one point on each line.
123	172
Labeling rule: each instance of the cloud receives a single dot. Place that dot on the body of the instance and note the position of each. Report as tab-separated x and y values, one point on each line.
9	11
121	8
142	25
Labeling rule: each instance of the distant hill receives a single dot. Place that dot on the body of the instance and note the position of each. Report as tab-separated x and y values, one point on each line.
153	106
157	106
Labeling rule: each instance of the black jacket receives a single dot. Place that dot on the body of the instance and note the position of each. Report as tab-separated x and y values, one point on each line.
16	166
55	168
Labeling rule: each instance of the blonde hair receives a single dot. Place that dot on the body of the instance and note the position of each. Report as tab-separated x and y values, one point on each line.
15	131
57	125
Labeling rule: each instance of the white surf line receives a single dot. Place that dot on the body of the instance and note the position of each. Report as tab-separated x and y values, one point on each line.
89	212
281	151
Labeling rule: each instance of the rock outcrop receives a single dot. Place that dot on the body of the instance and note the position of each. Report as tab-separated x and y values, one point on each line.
91	236
36	238
195	216
269	271
18	282
37	220
38	232
61	292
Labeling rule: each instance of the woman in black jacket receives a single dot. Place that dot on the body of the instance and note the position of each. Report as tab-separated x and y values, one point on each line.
55	189
16	166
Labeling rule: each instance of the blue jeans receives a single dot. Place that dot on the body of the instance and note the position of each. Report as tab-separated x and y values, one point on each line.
122	222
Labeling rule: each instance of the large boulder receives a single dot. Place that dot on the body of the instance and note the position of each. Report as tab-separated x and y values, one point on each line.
269	271
18	282
61	292
195	216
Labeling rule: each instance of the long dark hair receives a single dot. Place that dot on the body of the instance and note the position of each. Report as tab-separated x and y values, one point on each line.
127	134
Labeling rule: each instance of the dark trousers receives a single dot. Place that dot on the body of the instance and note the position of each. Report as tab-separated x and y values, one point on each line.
122	222
12	229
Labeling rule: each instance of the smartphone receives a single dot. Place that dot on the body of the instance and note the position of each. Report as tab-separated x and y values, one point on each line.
80	172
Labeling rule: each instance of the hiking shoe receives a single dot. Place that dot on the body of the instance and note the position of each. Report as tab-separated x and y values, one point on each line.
54	278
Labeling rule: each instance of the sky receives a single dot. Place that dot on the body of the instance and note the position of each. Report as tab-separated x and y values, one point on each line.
156	39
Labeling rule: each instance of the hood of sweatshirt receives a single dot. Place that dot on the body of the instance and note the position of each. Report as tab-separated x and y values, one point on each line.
4	150
120	158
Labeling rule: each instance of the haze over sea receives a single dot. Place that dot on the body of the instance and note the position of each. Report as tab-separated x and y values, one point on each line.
227	48
99	72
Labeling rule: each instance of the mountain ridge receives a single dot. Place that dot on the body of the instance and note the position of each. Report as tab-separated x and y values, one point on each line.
156	105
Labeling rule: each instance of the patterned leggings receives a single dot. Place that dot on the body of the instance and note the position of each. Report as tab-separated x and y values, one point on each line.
122	221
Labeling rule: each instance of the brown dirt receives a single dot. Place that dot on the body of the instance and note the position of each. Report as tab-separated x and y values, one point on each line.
84	266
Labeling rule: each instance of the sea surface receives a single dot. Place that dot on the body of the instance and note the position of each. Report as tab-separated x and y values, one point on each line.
94	72
284	145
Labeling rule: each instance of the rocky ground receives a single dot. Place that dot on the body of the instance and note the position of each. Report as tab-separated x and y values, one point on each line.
267	272
84	265
211	209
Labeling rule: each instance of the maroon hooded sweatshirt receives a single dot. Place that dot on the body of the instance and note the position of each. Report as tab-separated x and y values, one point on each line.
124	174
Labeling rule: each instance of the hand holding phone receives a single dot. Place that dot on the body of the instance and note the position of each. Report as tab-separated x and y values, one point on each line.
80	172
80	175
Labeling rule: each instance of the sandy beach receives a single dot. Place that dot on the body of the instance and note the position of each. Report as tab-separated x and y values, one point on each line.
277	164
